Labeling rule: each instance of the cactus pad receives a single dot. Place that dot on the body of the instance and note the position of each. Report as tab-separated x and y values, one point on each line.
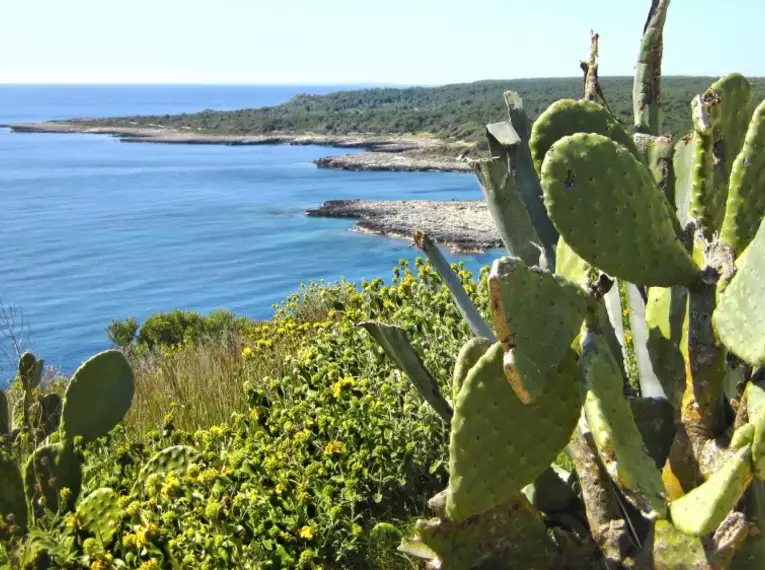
731	118
30	371
491	458
613	427
395	342
739	318
511	535
570	265
536	313
173	458
569	116
700	511
50	469
98	397
607	207
13	503
746	195
5	415
51	406
675	550
655	420
100	514
469	354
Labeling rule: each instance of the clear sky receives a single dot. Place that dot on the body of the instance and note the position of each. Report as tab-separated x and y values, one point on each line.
361	41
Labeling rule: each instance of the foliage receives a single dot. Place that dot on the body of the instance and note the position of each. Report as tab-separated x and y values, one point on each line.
329	440
457	111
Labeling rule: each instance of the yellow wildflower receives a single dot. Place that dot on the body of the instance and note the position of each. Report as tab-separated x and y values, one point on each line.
306	532
246	353
333	447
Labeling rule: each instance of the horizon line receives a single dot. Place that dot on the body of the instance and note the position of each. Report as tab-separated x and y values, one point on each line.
306	83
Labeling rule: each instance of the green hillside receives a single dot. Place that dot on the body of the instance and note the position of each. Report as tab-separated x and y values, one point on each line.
451	111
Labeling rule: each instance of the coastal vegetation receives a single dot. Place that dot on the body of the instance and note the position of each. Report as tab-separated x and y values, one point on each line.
594	399
458	111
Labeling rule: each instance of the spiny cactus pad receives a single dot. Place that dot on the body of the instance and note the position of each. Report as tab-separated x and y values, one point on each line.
397	346
707	198
498	444
700	511
569	116
536	313
50	469
5	415
570	265
469	354
675	550
98	397
100	514
30	370
173	458
613	427
607	207
731	118
51	406
511	535
746	195
739	318
13	502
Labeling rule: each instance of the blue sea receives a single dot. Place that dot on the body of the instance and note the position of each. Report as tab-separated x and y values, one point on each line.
92	229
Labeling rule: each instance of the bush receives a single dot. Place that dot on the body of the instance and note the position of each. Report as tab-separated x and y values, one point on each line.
327	440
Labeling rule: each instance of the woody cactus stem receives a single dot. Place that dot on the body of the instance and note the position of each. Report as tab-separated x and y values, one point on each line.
646	91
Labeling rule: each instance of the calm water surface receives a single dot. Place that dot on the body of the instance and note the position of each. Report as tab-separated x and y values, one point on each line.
93	230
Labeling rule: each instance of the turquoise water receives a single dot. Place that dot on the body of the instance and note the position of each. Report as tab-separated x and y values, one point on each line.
93	229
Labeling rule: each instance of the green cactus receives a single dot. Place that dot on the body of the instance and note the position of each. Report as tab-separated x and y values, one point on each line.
173	458
635	239
50	469
658	154
100	514
30	371
536	316
745	206
98	396
739	318
490	462
13	502
569	116
468	356
646	91
616	435
676	229
700	512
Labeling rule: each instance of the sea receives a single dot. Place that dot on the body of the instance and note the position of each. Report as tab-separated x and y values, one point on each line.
93	229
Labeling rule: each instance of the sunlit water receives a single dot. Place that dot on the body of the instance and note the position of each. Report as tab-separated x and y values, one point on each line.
92	229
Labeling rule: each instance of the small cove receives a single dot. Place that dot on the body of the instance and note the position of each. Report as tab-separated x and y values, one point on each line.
95	230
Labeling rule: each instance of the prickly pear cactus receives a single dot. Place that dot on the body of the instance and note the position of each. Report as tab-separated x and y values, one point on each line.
30	371
536	315
490	461
13	502
49	470
100	514
98	396
657	279
174	458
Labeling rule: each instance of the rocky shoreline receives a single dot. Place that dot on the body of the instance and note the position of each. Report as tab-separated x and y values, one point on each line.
464	226
381	152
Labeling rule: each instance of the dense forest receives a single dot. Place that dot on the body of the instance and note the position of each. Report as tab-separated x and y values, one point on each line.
457	111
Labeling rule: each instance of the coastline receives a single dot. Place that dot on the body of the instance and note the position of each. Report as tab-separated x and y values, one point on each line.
464	226
380	152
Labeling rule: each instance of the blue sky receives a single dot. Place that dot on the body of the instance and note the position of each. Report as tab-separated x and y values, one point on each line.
361	41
